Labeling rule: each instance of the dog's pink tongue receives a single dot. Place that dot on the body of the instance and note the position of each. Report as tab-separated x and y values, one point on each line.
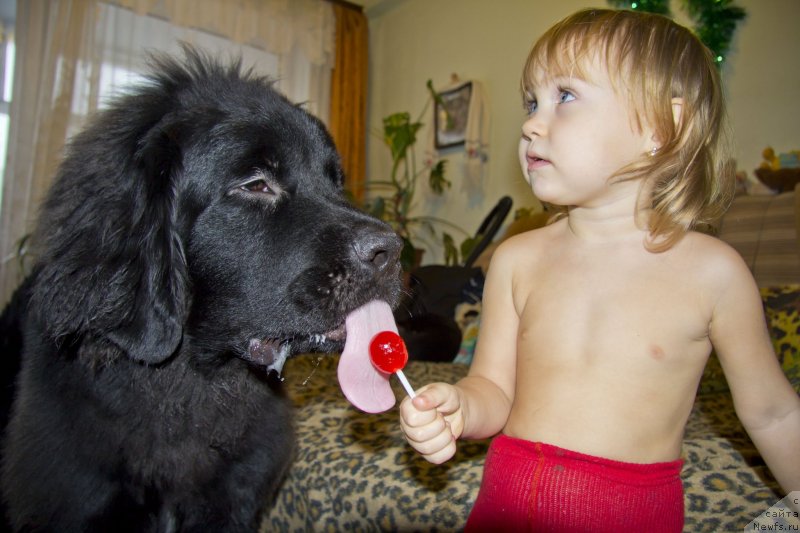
362	384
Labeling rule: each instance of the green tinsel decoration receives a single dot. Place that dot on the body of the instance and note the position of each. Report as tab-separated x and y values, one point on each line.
651	6
715	20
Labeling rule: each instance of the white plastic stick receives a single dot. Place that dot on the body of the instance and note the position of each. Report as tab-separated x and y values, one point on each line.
406	384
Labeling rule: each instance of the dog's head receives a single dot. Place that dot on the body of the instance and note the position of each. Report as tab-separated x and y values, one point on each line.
202	207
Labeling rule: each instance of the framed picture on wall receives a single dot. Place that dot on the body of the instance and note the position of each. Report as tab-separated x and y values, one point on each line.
451	111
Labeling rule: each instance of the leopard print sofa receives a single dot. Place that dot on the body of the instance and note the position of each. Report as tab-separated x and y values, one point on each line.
354	472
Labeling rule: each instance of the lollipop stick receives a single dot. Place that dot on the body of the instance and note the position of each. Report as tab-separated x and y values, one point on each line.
406	384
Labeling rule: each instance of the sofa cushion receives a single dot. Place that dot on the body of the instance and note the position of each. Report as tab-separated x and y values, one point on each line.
764	230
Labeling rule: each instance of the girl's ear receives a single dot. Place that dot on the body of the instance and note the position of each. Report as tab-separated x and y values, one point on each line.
677	114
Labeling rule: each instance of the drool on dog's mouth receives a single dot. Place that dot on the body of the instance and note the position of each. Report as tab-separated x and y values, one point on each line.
364	385
272	353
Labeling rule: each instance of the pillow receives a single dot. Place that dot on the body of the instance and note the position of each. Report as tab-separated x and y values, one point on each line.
764	230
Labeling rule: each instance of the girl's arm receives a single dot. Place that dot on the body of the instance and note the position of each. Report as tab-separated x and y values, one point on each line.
765	401
487	392
479	404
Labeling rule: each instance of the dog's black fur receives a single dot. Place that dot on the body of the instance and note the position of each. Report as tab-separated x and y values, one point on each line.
195	234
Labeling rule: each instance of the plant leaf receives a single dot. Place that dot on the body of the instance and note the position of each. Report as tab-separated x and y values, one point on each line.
450	250
377	207
399	134
436	179
408	255
467	245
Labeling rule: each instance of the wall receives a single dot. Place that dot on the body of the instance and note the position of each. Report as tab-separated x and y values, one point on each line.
415	40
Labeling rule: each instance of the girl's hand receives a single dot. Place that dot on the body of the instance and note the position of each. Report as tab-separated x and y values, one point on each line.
433	421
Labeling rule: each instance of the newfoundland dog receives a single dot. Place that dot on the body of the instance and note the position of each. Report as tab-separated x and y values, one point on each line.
196	236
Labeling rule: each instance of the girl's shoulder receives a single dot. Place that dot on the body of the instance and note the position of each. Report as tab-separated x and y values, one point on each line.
527	248
707	246
710	257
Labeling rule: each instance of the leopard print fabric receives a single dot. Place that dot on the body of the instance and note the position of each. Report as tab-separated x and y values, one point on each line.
782	307
354	471
782	312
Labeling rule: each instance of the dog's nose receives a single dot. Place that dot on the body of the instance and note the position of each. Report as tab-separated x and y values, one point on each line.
378	248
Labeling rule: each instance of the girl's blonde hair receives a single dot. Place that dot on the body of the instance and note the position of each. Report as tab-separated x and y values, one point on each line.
651	60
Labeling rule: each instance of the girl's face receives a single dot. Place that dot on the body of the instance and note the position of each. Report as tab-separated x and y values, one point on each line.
578	133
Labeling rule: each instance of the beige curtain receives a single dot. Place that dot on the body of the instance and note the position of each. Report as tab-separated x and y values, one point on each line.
49	39
348	114
62	46
297	32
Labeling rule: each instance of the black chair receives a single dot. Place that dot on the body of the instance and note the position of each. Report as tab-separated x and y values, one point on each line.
489	228
425	318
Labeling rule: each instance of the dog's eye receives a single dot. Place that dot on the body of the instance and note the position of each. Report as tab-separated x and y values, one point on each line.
257	185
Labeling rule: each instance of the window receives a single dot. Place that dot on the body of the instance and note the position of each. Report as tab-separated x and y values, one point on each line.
6	84
123	41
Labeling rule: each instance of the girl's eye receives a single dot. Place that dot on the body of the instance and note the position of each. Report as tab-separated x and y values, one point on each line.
530	106
565	96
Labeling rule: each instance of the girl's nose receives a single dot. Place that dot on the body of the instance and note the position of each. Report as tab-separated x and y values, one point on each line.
533	126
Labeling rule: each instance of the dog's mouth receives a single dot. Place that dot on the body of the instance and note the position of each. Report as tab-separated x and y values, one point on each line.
363	384
272	353
366	387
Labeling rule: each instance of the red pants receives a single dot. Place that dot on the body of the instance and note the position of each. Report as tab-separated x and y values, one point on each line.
530	486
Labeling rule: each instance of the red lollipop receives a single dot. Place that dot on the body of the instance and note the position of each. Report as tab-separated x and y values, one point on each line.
389	354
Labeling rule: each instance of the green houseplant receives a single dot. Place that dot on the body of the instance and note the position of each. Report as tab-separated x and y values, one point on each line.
394	198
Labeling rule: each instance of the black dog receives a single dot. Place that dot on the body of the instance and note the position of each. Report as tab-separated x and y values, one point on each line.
196	235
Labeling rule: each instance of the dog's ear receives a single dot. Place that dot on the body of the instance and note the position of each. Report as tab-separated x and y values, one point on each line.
112	263
155	329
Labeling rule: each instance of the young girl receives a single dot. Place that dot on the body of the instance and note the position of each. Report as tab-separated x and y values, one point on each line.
596	329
